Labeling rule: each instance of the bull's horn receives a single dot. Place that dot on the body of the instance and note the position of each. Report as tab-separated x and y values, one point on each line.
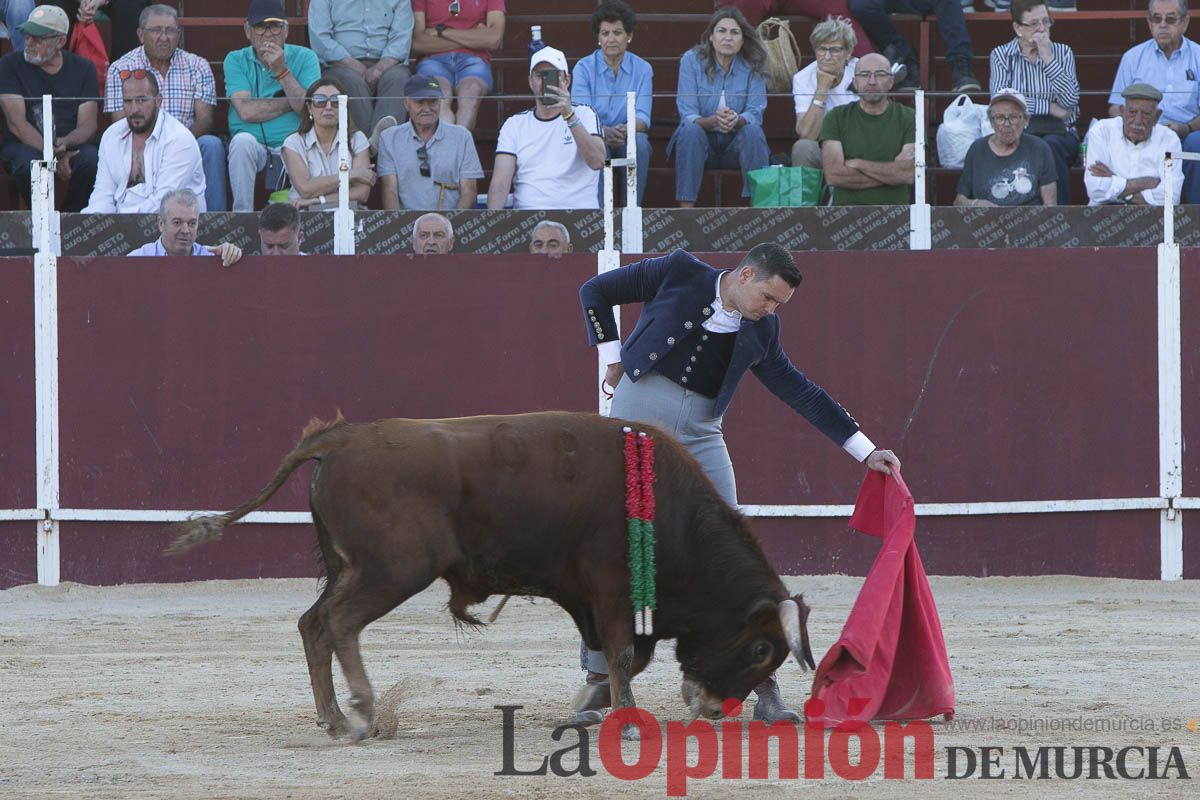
789	618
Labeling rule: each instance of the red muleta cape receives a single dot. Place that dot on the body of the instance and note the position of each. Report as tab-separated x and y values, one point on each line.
890	662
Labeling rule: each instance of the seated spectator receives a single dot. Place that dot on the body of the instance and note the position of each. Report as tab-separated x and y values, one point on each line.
876	19
266	84
122	13
457	38
364	46
721	98
1125	155
45	67
1044	72
550	154
1007	168
428	163
867	148
279	232
14	12
311	153
145	154
432	235
1170	62
178	222
822	86
756	11
551	239
602	79
189	92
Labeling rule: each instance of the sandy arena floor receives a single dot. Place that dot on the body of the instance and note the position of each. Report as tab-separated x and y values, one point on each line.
200	690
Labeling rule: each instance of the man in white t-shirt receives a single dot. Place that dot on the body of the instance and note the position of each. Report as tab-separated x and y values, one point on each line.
550	155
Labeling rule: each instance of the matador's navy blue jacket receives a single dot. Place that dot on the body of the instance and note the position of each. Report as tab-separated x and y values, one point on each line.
677	291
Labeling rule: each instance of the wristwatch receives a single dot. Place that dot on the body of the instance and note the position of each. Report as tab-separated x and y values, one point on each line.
441	29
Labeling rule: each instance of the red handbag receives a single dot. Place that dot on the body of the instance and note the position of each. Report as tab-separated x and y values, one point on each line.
86	41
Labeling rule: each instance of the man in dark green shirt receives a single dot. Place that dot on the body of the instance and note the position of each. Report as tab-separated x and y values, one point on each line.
867	147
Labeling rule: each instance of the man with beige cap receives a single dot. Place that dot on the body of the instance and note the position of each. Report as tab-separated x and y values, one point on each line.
550	155
1125	154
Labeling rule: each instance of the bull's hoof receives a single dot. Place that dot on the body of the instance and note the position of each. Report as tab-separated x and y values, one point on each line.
631	733
589	717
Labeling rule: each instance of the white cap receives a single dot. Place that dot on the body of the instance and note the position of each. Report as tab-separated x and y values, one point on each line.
1012	95
549	55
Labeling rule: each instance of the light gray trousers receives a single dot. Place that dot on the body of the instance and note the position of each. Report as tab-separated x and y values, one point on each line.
688	417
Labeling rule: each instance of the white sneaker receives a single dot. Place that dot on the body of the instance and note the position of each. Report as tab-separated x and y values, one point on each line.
387	122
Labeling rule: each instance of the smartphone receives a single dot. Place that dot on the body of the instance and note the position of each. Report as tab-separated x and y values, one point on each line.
549	78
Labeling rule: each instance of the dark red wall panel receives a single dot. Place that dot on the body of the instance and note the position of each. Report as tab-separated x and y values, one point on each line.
1120	544
18	553
183	384
17	401
108	553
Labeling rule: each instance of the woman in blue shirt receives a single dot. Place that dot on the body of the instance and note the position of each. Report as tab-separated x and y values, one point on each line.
721	98
602	79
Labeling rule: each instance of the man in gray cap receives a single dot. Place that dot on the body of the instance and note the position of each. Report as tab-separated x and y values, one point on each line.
1125	154
427	163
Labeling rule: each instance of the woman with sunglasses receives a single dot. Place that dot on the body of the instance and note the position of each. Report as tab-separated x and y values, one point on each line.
311	153
457	37
721	98
1044	72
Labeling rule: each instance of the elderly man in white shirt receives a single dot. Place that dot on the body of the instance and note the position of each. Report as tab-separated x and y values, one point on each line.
1125	154
145	154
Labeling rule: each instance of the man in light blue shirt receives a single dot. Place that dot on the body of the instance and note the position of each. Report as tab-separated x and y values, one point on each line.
178	222
1170	63
721	98
364	45
602	79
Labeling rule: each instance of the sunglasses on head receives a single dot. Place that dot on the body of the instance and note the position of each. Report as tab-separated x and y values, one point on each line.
423	158
455	8
320	100
136	74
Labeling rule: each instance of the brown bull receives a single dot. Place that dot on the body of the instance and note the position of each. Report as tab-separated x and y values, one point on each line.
527	505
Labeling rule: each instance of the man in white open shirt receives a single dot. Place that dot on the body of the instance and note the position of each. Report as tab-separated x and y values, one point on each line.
551	154
1125	153
145	154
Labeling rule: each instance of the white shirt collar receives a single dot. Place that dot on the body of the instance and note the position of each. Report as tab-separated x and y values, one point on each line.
722	320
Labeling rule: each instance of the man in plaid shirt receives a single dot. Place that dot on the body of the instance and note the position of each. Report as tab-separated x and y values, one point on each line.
188	90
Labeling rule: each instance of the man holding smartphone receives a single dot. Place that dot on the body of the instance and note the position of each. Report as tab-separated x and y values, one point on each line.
550	155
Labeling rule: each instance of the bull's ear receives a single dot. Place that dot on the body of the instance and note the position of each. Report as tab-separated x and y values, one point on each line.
762	613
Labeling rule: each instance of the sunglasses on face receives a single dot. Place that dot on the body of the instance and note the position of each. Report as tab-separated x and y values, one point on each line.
320	100
455	8
423	158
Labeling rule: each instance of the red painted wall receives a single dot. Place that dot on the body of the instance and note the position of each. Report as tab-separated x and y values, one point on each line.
998	376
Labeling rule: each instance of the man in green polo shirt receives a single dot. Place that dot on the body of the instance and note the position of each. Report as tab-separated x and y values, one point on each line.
867	147
266	84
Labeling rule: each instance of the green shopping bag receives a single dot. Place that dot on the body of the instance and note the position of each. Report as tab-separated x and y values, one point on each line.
785	186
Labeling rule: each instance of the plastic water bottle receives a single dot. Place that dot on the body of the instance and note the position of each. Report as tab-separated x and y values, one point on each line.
535	43
721	104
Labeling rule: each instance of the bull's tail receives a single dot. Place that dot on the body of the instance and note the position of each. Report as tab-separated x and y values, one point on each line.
313	444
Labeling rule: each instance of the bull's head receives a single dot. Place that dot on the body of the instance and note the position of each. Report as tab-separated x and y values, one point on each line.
714	670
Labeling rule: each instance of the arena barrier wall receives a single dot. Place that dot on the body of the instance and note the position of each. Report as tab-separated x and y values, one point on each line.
664	229
1009	377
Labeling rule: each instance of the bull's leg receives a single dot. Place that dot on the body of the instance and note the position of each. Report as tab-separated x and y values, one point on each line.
318	651
357	601
620	674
